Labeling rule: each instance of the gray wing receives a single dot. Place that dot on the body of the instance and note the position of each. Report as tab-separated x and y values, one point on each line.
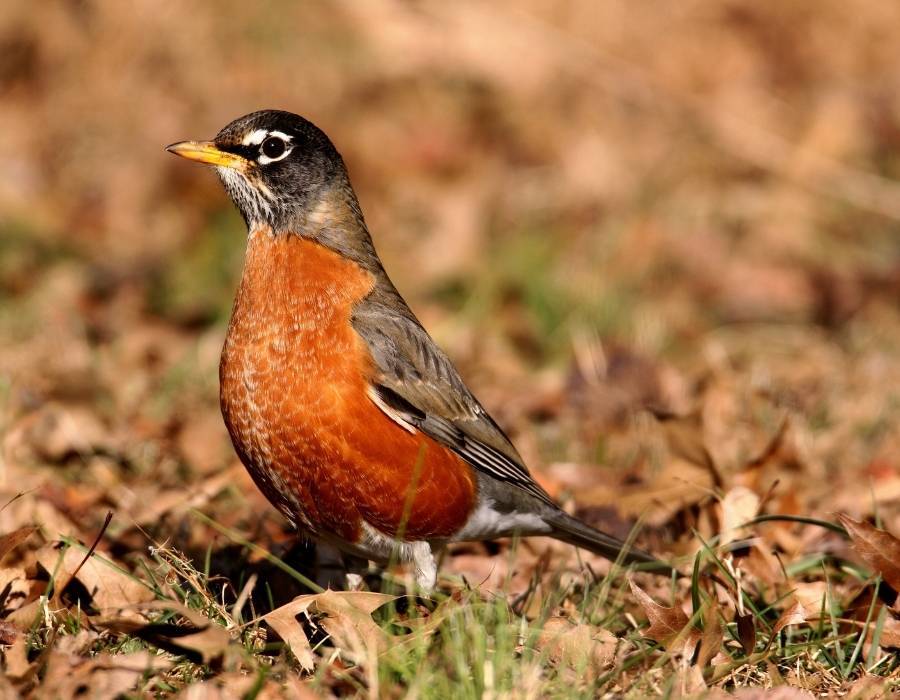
418	383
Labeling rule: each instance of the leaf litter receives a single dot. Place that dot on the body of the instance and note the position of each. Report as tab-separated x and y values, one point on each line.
708	280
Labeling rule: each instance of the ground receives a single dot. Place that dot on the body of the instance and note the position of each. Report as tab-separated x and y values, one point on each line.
660	240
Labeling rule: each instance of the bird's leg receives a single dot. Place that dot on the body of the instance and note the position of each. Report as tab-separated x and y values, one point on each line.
330	568
356	569
424	565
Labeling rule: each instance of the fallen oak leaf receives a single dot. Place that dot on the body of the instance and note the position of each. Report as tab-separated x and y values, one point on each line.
684	438
759	562
15	589
201	640
55	431
348	621
711	641
771	450
422	627
177	500
794	615
9	633
725	669
739	506
16	663
677	486
868	612
878	548
200	645
74	573
577	646
871	687
889	635
231	685
810	599
284	621
774	674
668	626
105	675
109	587
746	632
783	692
14	539
345	616
689	681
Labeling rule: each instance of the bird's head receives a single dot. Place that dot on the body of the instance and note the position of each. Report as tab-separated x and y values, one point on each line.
276	166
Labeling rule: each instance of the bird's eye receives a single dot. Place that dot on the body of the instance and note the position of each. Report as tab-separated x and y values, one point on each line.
273	147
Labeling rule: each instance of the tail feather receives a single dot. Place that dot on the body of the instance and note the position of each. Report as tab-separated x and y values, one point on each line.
575	532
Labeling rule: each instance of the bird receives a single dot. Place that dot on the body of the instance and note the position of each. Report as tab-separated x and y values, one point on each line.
347	415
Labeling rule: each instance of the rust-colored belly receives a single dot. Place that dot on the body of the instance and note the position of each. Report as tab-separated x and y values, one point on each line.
294	375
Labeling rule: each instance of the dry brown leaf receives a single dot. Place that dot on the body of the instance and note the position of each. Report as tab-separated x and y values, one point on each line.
746	632
201	644
203	442
81	643
9	633
16	664
345	616
808	600
689	682
26	615
285	623
794	615
771	450
235	685
14	539
739	506
878	548
668	626
774	673
678	485
577	646
783	692
109	587
202	640
42	510
870	687
685	439
890	634
56	431
760	563
888	639
144	510
106	676
496	571
15	586
711	641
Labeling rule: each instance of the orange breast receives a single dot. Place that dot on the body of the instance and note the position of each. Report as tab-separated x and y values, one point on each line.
294	375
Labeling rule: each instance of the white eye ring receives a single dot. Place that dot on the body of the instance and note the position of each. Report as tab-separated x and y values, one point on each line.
272	149
254	138
260	136
263	159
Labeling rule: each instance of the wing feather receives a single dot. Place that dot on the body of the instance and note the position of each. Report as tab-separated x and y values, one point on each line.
416	380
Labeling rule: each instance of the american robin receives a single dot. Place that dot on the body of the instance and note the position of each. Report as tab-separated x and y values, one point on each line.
349	417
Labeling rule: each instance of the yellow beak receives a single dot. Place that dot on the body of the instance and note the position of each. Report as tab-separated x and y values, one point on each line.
207	152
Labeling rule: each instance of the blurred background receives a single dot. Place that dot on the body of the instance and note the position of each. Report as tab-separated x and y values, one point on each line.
596	207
